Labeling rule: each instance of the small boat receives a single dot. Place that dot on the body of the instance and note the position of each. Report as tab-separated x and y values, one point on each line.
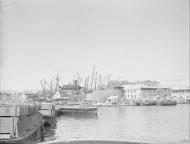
79	110
166	102
107	104
96	104
147	103
133	103
49	114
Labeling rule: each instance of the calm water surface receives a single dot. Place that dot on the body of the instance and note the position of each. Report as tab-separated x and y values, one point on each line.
154	124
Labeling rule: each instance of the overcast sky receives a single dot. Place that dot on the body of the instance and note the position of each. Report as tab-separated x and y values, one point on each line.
130	39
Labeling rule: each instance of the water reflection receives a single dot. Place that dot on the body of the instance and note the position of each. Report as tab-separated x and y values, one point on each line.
49	133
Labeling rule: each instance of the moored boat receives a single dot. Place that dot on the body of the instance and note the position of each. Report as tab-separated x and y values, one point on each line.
79	110
147	103
107	104
133	103
166	102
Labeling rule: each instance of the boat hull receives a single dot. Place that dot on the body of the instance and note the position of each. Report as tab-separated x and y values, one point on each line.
133	103
79	110
147	103
166	104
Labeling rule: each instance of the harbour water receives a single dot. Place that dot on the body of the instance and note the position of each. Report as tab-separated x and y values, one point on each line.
152	124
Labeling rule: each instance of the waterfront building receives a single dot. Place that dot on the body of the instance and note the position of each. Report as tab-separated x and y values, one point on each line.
179	88
163	92
132	91
140	91
181	93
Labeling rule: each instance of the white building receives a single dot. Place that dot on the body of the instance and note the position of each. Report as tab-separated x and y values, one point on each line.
181	93
140	91
132	91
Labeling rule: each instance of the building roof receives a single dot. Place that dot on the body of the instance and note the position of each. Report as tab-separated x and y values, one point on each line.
148	88
143	87
133	86
176	84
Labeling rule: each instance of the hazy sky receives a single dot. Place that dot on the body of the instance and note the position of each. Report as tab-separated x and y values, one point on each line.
131	39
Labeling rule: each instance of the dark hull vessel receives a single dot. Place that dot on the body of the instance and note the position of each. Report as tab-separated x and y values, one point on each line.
79	110
147	103
166	103
132	103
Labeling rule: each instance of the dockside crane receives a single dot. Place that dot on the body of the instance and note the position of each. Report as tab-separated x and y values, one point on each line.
92	77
